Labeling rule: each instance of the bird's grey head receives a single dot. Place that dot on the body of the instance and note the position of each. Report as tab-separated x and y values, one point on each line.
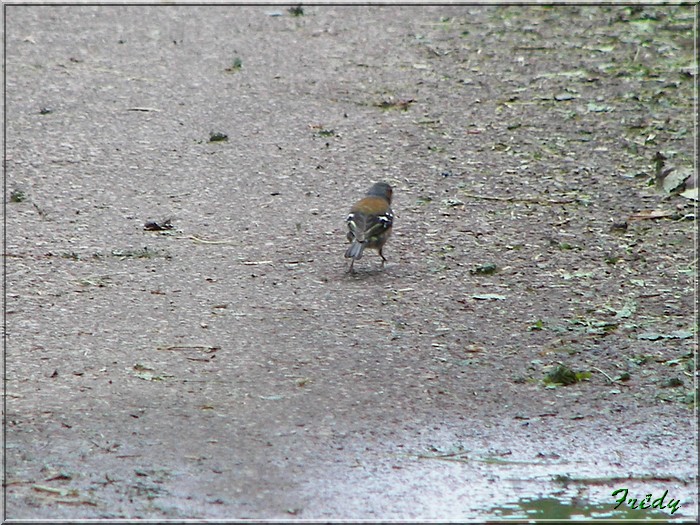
381	189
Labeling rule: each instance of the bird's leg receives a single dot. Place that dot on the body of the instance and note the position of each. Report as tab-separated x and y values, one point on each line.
382	256
352	261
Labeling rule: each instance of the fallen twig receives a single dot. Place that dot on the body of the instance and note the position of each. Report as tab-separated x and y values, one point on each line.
441	456
534	200
76	501
651	214
52	490
618	479
206	348
204	241
606	375
462	457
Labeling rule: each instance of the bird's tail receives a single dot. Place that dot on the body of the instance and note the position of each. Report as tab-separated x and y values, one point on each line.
355	250
357	226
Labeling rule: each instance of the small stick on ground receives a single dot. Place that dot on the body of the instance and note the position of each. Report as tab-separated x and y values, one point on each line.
533	200
606	375
206	348
204	241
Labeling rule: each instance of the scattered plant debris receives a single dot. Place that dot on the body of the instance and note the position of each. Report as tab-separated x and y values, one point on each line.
296	10
484	269
137	253
652	214
562	375
489	297
452	202
217	137
158	226
235	66
322	131
672	382
619	226
18	195
401	104
654	336
537	325
673	181
147	373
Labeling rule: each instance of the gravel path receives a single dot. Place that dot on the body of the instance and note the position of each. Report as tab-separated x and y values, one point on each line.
231	368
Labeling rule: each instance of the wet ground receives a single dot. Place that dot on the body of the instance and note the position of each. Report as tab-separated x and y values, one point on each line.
230	368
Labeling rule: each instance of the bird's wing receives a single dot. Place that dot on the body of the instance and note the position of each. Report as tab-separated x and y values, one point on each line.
357	225
379	224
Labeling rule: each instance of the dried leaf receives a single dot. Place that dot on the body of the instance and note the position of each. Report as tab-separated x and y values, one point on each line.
598	108
650	336
675	180
651	214
691	194
489	297
676	334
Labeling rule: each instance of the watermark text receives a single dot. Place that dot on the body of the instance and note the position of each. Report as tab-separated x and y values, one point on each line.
646	502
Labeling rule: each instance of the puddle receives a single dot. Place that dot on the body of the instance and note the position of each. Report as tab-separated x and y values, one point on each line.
557	509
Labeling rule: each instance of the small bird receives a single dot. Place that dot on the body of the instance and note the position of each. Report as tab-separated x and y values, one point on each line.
370	222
